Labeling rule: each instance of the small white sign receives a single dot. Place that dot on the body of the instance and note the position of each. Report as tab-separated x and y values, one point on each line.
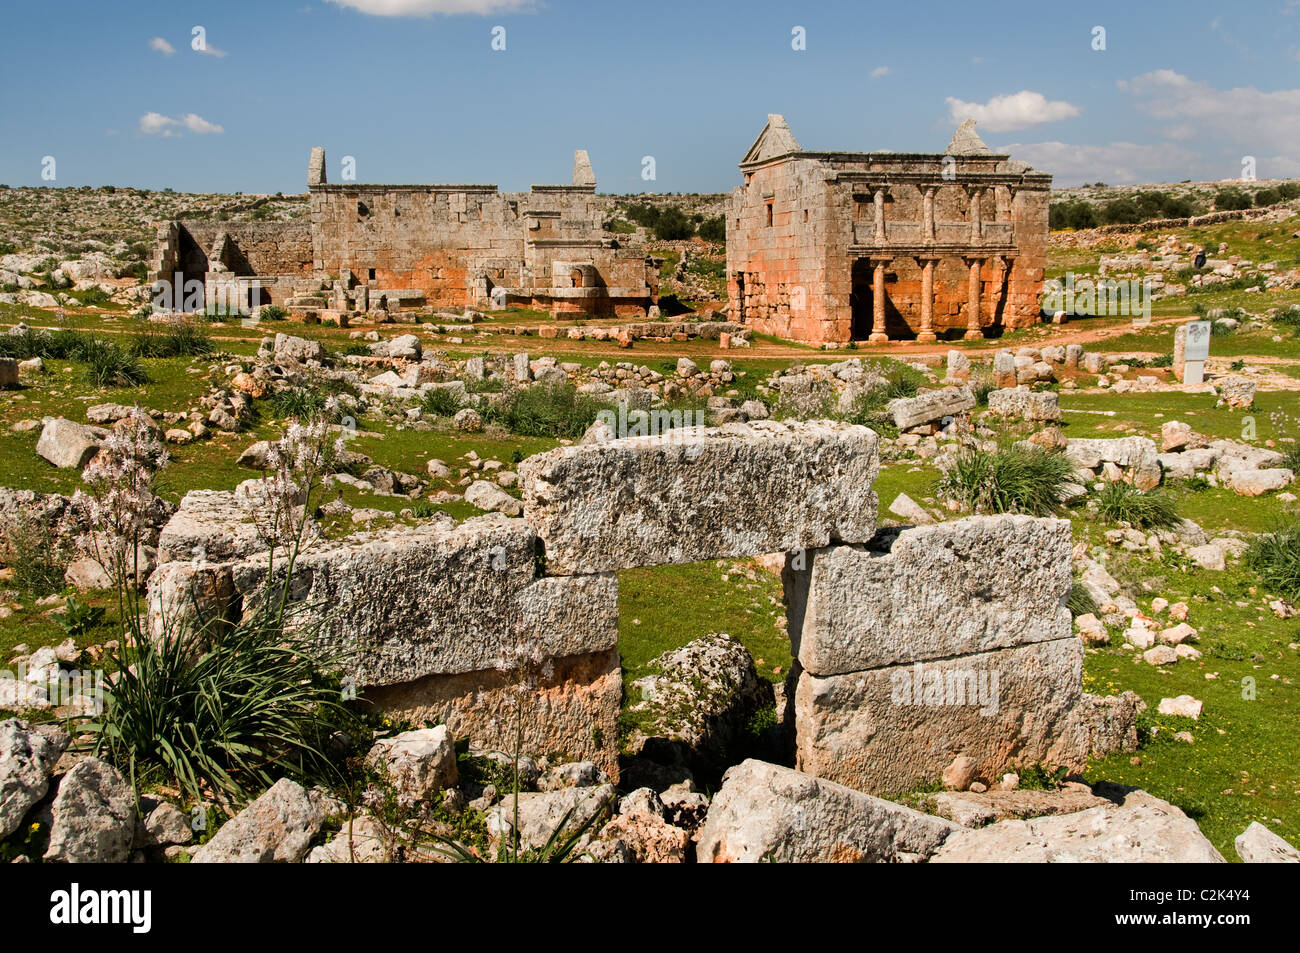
1198	342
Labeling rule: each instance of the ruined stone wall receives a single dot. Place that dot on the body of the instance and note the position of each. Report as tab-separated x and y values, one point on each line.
454	244
912	647
253	248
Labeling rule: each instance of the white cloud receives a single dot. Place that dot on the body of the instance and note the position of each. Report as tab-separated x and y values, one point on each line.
209	50
1243	118
1014	111
424	8
1117	163
162	46
156	124
880	71
196	123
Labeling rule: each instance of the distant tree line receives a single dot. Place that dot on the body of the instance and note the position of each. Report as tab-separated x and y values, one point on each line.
672	224
1154	204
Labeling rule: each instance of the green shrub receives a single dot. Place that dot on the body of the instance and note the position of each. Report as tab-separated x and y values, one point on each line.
93	297
111	365
222	712
1290	318
713	229
1276	557
184	339
77	617
36	555
547	410
1081	601
272	312
1009	480
440	402
1125	503
1231	200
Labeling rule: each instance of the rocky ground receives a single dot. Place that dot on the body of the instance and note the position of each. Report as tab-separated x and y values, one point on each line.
439	410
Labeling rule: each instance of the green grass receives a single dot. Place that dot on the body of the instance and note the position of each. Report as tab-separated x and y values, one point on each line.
1241	766
666	607
1275	555
1125	503
1009	480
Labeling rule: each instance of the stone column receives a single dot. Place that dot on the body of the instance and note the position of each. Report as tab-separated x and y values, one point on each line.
878	299
927	220
926	333
973	331
976	215
879	199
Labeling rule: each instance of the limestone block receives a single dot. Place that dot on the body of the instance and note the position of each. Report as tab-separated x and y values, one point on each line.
1025	404
66	443
955	588
892	729
573	711
930	406
1142	829
1136	457
764	812
742	489
211	525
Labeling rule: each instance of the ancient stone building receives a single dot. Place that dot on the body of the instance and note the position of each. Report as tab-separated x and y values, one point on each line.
843	246
407	246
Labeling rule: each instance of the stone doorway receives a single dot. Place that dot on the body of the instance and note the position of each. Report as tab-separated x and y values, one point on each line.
862	304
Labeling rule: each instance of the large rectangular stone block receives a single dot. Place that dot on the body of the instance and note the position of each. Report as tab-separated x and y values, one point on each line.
572	712
927	592
427	600
930	406
890	730
702	493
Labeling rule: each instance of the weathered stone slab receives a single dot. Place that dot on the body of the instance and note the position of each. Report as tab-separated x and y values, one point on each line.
970	809
955	588
893	729
764	812
66	443
212	525
930	406
1025	404
28	755
1135	456
702	493
1143	829
1258	845
438	599
573	711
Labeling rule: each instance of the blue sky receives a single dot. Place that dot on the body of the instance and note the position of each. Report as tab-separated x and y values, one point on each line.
115	93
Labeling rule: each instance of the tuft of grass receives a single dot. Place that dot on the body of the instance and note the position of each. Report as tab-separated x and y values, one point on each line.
440	402
546	410
185	339
1008	480
1081	601
1276	557
223	713
302	403
1125	503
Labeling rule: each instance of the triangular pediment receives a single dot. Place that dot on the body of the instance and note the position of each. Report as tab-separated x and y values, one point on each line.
776	139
